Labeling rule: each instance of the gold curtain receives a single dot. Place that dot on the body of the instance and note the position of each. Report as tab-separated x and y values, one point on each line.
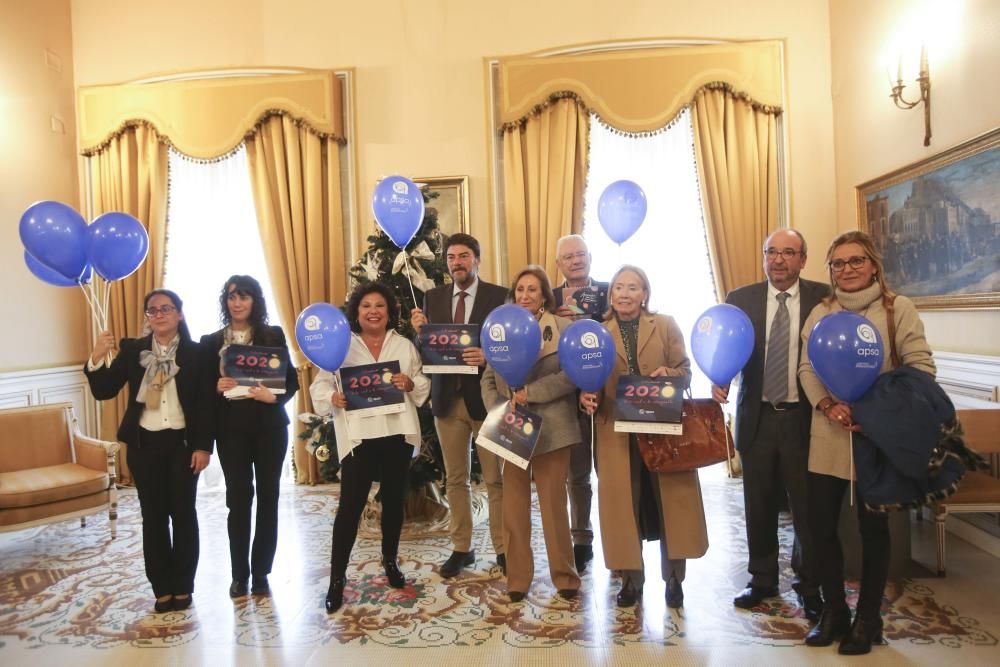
129	174
545	172
295	175
737	155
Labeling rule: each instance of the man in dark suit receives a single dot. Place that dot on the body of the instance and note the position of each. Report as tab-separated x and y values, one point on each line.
773	419
457	403
578	297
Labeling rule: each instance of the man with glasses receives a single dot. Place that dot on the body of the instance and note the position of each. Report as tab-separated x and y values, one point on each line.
773	419
578	297
457	403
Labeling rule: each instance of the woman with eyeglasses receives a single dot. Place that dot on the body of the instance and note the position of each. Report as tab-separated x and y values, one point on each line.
857	277
160	429
250	429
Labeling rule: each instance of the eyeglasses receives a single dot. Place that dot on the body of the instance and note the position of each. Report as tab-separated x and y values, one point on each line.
773	253
569	257
165	309
856	263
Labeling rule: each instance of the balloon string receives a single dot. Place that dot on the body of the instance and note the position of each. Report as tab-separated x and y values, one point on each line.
406	263
852	467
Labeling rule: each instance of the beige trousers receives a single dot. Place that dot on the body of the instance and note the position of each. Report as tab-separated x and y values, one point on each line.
550	471
455	433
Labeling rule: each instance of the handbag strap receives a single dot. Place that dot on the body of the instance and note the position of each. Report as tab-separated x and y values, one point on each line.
890	316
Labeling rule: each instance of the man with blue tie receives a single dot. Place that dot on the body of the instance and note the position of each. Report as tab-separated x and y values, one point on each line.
773	420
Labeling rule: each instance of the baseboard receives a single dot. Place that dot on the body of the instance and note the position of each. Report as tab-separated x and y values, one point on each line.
974	536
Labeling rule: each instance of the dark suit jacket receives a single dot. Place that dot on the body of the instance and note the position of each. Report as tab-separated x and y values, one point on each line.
107	381
437	309
218	414
752	300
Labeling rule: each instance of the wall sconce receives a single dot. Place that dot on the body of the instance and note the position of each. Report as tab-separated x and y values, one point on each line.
924	79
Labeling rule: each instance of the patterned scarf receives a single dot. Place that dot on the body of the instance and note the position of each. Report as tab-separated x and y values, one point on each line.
161	366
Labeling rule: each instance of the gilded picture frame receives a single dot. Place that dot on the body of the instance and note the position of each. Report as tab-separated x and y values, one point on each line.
937	223
452	204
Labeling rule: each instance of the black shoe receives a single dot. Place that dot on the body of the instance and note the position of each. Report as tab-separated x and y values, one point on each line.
515	596
238	588
864	633
582	554
502	562
753	596
335	595
568	593
675	594
259	585
182	602
392	573
628	595
833	624
456	562
164	606
812	605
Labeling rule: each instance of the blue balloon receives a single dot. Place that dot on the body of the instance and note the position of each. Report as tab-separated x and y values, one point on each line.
398	206
47	275
722	342
324	335
511	340
587	354
621	210
845	350
55	235
117	245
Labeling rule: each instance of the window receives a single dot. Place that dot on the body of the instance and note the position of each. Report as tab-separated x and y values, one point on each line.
670	246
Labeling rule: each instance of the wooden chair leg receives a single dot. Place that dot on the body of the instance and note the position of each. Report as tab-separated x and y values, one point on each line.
83	522
940	517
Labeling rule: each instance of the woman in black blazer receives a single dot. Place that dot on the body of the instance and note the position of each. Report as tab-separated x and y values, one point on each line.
251	432
164	453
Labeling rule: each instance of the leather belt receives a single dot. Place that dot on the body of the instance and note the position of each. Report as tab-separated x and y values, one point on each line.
781	407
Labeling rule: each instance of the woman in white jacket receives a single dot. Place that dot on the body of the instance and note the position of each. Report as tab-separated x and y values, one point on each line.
372	447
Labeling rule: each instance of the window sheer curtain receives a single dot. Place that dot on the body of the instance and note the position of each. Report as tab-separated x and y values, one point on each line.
671	245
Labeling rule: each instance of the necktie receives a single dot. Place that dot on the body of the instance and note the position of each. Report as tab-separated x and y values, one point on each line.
460	308
776	366
459	319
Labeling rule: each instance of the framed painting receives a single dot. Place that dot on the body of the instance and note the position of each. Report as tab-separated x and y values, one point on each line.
452	203
937	223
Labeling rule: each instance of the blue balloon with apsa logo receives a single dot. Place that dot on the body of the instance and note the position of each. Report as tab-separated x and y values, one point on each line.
587	354
398	206
323	335
511	340
845	349
722	342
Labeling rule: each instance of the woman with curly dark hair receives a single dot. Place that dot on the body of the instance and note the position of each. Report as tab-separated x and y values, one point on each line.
251	432
372	447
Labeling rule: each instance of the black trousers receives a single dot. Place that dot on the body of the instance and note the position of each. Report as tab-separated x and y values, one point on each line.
826	495
386	460
161	467
775	464
246	455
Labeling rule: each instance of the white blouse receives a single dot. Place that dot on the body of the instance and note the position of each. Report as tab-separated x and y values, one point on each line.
352	428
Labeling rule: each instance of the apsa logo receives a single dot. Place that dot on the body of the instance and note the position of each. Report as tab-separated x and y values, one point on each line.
400	188
589	340
498	333
312	323
705	325
866	333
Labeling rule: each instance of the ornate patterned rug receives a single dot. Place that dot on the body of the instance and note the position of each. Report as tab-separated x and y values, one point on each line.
67	586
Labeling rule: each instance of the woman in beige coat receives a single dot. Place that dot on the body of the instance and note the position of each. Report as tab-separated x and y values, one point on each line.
858	279
548	392
636	504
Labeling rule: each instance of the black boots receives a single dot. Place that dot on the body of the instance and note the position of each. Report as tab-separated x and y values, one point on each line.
834	623
865	632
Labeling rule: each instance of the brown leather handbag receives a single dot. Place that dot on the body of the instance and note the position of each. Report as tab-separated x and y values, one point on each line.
706	440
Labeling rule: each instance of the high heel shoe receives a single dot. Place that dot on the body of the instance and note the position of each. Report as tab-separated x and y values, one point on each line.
864	633
335	595
392	573
834	623
628	595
